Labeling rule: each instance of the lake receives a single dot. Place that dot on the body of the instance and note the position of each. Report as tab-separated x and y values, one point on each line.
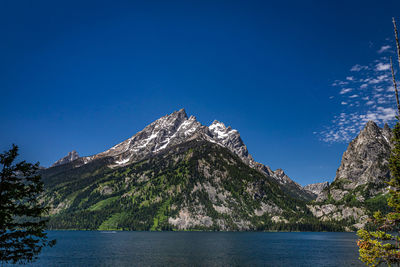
96	248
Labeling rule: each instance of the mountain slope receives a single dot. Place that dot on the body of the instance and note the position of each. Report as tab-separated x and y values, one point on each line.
193	185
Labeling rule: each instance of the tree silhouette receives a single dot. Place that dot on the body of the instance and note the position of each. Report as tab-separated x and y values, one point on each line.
22	235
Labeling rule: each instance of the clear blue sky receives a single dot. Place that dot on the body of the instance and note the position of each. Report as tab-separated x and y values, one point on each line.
86	75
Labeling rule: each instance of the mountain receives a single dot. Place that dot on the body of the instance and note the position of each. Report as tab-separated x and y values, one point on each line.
359	186
176	128
71	156
176	174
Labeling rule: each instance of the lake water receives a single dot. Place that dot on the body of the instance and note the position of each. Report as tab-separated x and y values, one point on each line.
93	248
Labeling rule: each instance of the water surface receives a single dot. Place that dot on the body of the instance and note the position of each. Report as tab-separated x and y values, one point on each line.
95	248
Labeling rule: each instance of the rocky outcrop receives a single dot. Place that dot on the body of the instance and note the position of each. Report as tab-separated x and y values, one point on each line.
316	188
71	156
366	158
365	164
361	176
230	139
331	212
290	186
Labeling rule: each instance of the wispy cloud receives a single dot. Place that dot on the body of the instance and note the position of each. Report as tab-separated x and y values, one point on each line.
358	67
382	66
345	91
366	94
384	48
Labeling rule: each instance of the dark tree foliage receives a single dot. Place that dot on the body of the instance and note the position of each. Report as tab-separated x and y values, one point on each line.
22	235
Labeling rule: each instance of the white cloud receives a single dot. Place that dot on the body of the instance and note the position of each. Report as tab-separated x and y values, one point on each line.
369	97
379	79
384	48
345	90
381	100
358	67
381	114
338	82
390	89
382	66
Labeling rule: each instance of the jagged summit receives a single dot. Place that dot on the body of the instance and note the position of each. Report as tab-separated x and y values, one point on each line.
176	128
371	146
168	130
71	156
231	139
364	162
173	129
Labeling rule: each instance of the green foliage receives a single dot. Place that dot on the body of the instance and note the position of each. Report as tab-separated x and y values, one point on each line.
22	235
146	194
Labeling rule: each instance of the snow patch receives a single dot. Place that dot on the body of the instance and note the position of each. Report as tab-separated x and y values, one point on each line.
122	161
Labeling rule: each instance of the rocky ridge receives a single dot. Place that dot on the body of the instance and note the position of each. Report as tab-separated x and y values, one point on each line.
71	156
177	128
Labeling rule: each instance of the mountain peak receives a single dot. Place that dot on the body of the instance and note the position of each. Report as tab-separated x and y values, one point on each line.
364	160
71	156
175	128
217	124
180	113
371	126
176	115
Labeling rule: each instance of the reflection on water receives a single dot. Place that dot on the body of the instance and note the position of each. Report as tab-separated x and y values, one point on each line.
108	248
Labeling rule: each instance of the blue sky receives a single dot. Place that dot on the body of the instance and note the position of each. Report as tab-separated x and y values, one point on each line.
297	79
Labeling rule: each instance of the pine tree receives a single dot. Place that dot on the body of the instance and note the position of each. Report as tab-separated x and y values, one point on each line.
383	245
22	235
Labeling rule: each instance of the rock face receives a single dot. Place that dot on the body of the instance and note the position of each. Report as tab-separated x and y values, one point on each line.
316	188
169	131
73	155
365	162
230	139
329	212
360	179
366	158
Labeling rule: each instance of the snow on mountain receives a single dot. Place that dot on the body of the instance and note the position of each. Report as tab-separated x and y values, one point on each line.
177	128
230	138
169	130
